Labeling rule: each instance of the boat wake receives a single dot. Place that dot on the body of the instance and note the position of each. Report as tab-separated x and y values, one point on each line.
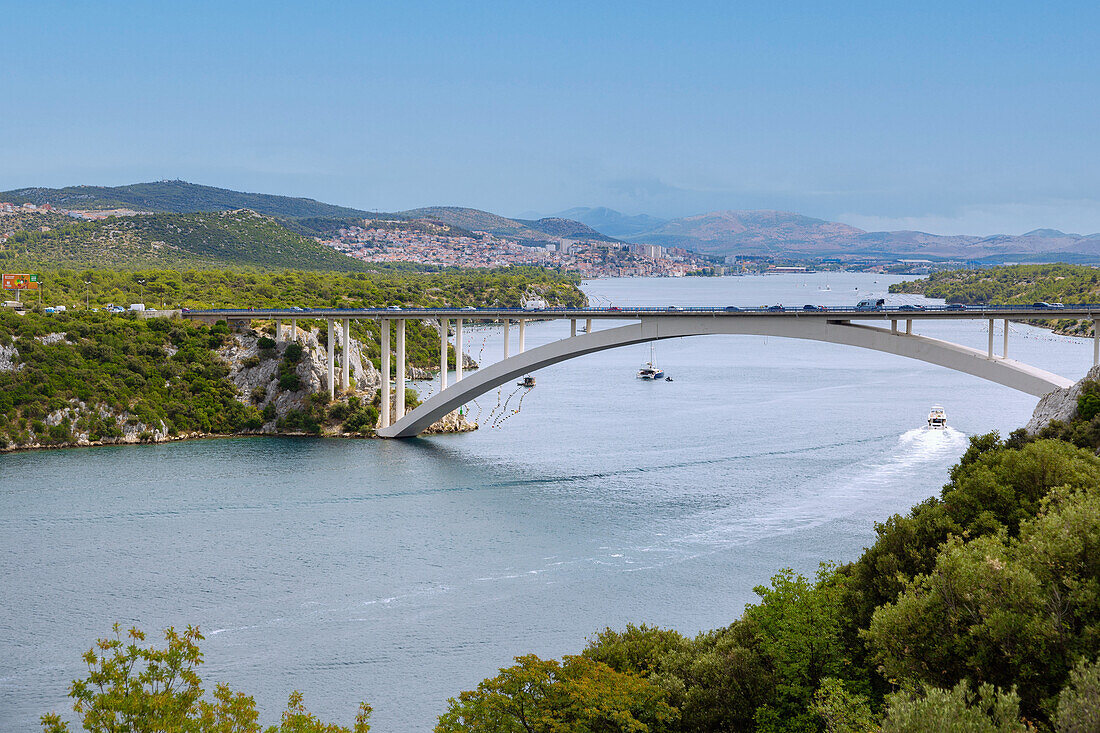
872	488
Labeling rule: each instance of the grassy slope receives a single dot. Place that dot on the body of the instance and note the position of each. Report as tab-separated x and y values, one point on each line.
236	238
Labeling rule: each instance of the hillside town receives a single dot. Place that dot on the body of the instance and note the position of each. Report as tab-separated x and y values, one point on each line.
426	243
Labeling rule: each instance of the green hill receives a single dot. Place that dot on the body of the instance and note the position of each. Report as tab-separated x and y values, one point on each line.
178	197
217	239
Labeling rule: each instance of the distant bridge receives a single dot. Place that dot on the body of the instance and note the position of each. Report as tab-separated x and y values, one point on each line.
886	329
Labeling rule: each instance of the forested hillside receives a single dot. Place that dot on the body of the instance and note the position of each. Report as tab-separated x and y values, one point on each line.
234	238
1010	284
258	289
178	197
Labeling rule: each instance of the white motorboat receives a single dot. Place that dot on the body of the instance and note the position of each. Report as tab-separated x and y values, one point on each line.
937	418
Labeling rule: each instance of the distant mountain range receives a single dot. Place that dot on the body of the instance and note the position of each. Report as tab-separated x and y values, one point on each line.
782	233
719	233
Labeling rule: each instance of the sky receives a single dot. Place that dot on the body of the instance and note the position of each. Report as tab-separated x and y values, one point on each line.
950	117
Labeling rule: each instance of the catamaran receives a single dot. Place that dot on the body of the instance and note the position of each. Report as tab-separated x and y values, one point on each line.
650	370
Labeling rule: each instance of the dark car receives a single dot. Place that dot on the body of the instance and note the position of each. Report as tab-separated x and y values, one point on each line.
614	308
956	307
775	309
809	307
1041	304
732	309
908	307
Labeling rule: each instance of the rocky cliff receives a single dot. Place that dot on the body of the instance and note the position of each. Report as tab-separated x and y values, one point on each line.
1060	405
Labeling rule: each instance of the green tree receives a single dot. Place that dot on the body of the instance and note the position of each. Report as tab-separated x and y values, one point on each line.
131	688
545	696
1079	703
798	625
842	711
957	710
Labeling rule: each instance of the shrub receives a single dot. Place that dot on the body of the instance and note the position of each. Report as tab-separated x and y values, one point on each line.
293	353
259	394
265	343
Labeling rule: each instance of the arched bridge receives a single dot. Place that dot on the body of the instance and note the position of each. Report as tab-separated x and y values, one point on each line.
892	334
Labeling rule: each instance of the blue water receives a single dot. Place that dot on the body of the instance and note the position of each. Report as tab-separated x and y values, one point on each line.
401	573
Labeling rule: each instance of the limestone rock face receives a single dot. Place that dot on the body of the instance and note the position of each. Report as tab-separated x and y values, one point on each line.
1060	405
243	351
9	359
452	422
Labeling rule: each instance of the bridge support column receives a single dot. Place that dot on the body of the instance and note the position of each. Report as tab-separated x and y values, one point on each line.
400	412
908	326
384	402
1095	342
458	350
293	329
345	360
893	325
572	327
331	360
506	337
1004	349
522	335
588	326
278	330
990	351
444	324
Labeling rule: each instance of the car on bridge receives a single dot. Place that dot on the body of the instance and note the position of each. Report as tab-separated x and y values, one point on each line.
775	309
809	307
732	309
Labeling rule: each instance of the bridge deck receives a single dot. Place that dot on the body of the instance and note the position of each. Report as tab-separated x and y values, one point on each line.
1090	310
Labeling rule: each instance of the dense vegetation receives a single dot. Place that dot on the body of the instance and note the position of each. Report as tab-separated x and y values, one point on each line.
156	371
228	238
179	197
262	289
1010	284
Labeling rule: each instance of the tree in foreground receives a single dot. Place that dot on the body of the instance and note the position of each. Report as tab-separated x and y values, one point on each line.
545	696
135	689
959	709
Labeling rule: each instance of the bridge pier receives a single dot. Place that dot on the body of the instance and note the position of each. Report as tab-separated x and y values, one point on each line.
293	329
1095	342
893	325
458	350
990	352
506	337
444	324
345	361
908	326
572	327
400	413
331	360
278	330
384	402
1004	347
588	325
522	335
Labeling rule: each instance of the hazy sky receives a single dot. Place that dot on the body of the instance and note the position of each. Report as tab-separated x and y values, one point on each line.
951	117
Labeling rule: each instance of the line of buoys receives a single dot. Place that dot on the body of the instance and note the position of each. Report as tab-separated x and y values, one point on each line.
504	415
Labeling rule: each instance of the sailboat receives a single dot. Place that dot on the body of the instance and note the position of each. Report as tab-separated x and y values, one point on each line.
650	370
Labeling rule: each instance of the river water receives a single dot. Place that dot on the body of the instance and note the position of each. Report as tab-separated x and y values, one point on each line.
401	573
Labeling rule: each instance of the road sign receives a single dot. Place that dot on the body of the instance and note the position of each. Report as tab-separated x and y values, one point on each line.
20	281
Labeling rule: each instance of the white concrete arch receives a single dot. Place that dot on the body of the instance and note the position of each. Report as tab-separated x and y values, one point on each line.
1008	372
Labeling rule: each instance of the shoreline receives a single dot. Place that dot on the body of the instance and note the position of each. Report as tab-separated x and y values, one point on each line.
203	436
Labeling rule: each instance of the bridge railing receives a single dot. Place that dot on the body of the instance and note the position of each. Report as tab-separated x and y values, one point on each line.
451	312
